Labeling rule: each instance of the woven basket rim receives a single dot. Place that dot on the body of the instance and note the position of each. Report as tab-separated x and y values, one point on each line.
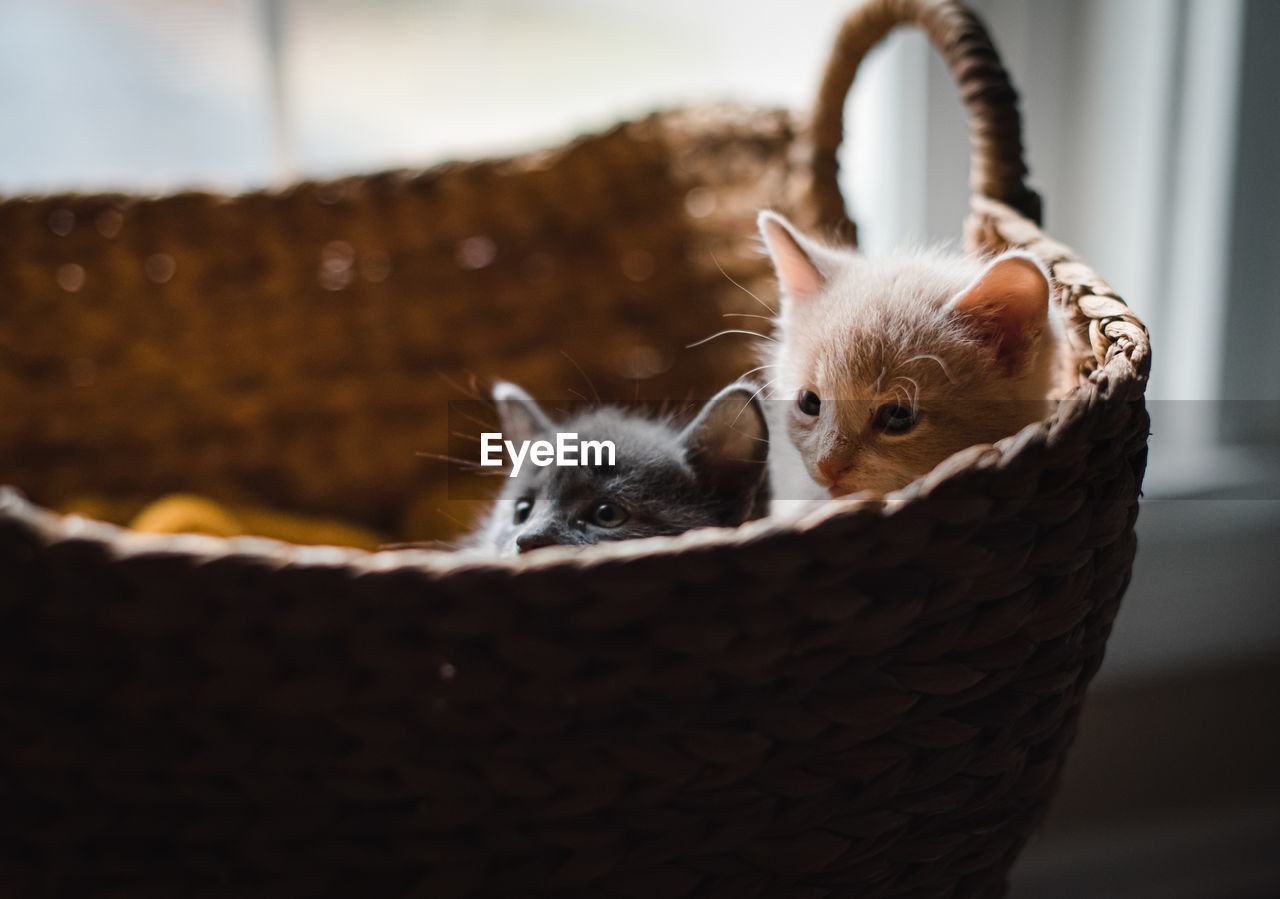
444	561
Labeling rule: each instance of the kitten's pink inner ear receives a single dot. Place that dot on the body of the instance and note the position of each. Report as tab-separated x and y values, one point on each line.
800	278
1008	306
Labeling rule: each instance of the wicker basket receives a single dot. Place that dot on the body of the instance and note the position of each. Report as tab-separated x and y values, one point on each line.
873	702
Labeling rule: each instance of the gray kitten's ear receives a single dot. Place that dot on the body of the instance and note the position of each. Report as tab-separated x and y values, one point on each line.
728	445
521	416
804	266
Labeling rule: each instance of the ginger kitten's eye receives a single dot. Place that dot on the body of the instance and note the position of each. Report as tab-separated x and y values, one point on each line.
609	515
809	402
894	419
523	508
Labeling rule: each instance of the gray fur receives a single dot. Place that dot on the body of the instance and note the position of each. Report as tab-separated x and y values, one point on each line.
669	480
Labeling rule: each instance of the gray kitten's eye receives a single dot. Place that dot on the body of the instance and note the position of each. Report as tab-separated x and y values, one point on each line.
808	402
609	515
893	419
523	508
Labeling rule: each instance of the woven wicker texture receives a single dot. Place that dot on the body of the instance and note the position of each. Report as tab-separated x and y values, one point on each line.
302	348
873	702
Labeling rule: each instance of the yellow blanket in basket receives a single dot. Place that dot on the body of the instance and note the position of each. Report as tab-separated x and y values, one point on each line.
189	513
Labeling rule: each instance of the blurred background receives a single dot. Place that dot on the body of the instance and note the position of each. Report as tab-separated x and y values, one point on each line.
1152	132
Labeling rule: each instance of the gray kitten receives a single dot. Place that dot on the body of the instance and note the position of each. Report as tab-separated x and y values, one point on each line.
665	481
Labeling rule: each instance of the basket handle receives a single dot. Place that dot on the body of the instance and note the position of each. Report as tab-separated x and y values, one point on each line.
996	168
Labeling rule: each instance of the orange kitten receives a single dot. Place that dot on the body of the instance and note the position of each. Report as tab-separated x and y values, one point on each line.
884	367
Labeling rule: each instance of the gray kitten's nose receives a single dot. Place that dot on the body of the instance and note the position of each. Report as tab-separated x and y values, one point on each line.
526	542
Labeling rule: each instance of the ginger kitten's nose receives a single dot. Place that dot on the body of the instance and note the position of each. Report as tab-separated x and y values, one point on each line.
832	467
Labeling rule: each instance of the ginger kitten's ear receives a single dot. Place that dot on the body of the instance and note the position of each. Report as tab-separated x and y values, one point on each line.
521	416
1007	306
803	266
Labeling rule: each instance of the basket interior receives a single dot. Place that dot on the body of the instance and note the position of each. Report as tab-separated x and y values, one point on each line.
313	349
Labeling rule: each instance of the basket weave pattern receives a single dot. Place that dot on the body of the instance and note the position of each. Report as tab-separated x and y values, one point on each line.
289	347
873	702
